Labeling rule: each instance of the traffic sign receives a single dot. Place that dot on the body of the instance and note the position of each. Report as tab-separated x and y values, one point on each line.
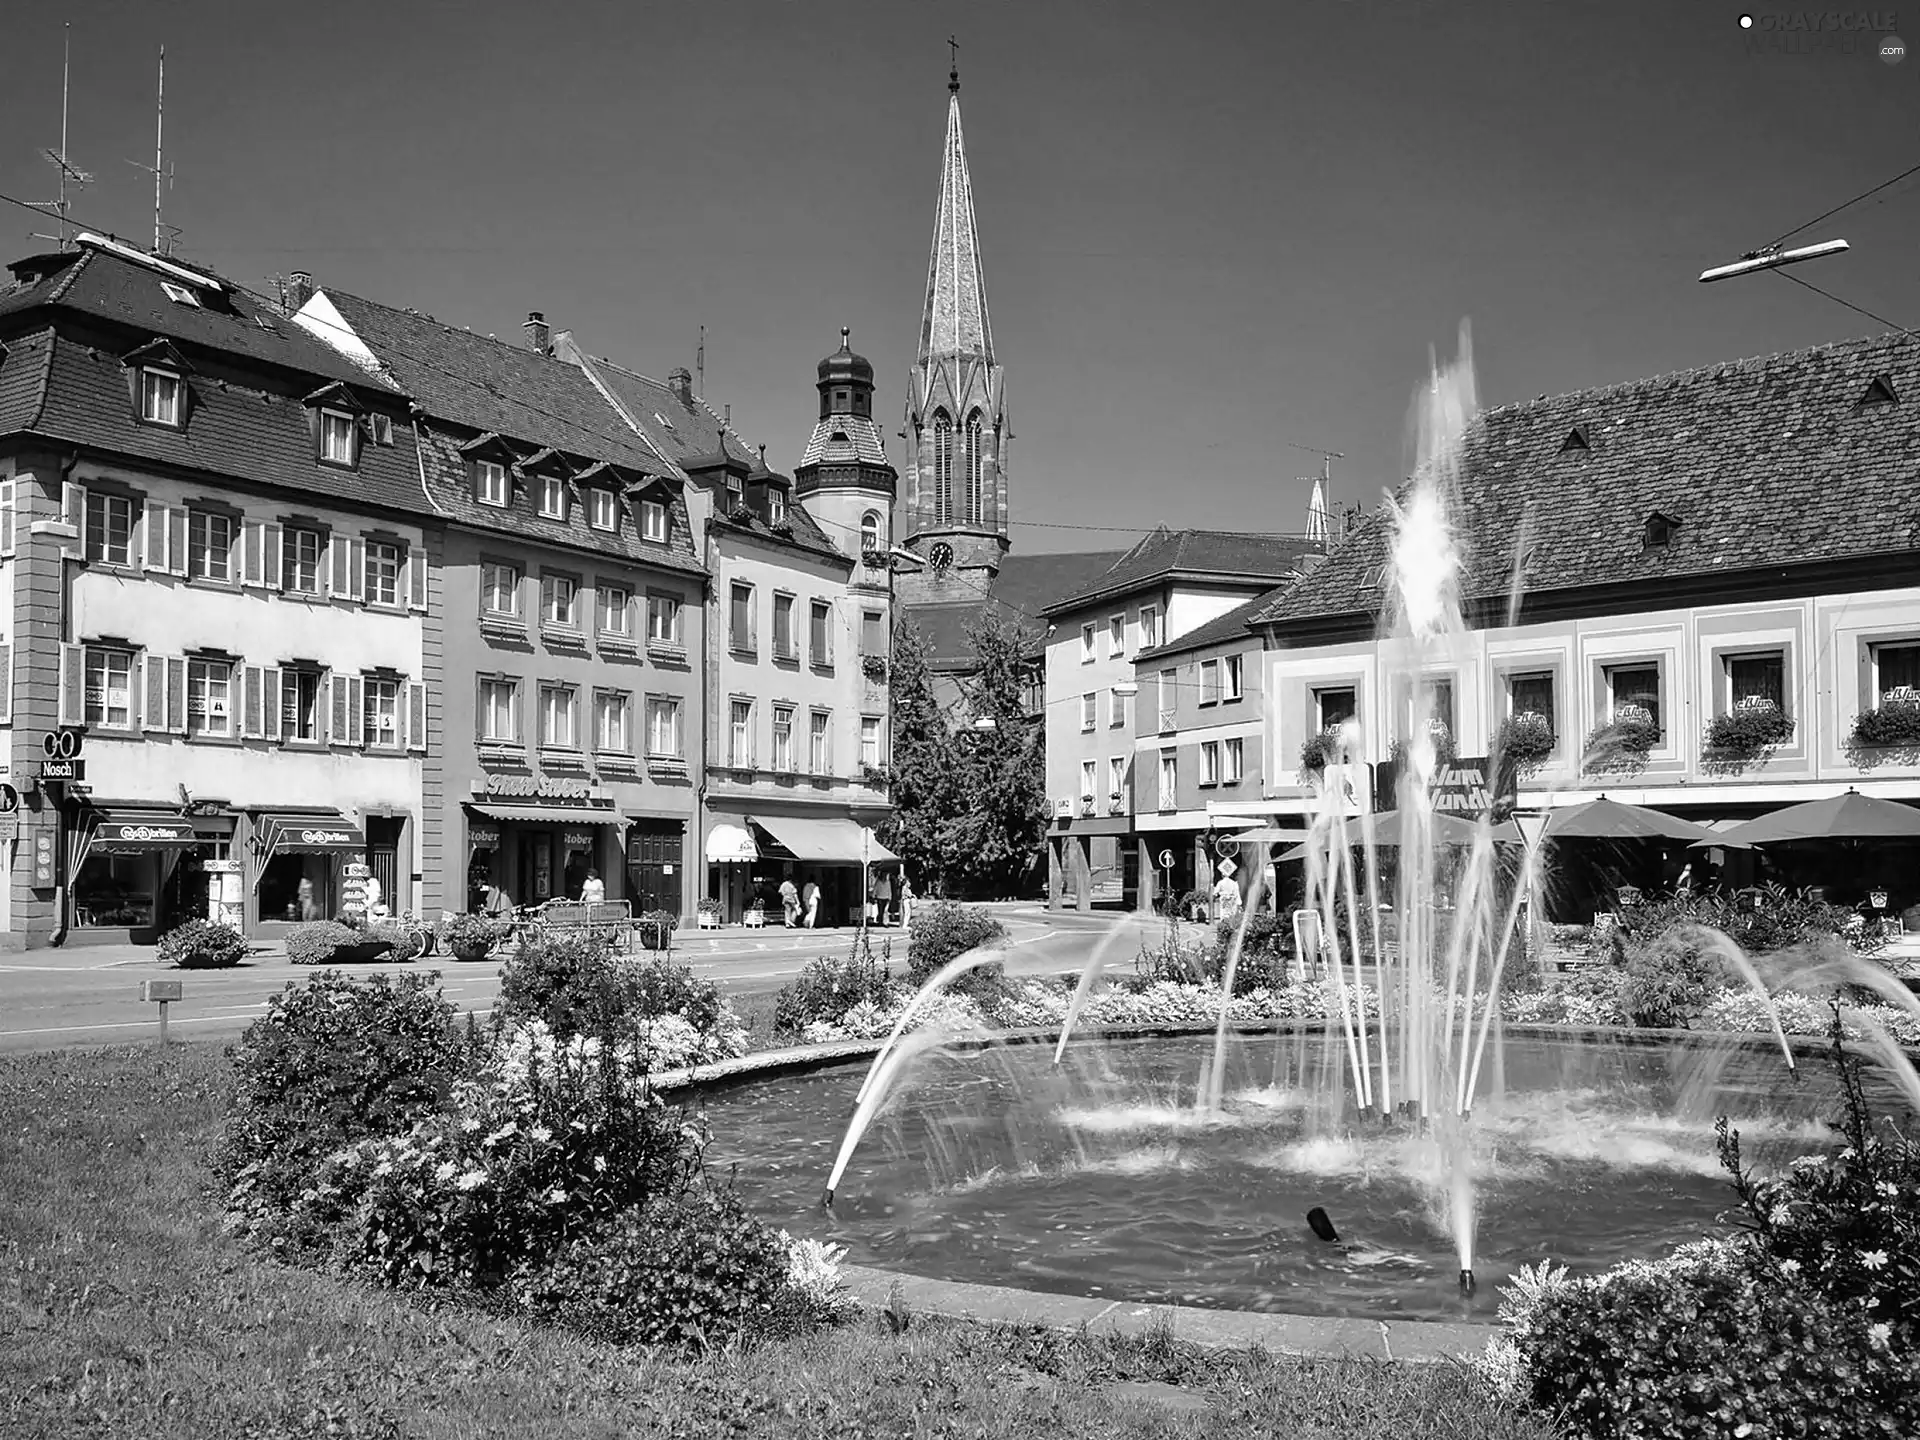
1166	859
9	799
62	744
63	769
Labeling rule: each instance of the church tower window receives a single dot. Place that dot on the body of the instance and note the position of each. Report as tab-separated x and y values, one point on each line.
976	501
870	533
943	469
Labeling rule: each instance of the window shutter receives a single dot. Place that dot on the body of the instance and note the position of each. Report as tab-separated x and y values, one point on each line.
272	547
340	554
176	540
337	732
6	518
6	682
416	717
270	703
357	570
356	711
177	694
156	716
73	684
153	520
253	559
250	723
416	577
73	507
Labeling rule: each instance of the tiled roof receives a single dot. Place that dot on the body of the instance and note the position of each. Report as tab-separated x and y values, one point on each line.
691	434
1236	624
489	385
845	440
448	482
1018	595
103	285
232	430
1167	554
1765	462
23	380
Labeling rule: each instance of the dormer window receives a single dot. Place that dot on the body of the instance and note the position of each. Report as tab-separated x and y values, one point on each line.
1879	392
653	521
180	294
553	497
601	512
338	435
1659	531
776	507
736	497
159	397
1576	440
380	429
490	482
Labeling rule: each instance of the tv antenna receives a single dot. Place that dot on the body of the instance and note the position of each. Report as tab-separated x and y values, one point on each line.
700	362
1327	457
69	173
162	172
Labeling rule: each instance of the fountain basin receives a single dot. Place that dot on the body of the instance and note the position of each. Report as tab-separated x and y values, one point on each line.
1096	1179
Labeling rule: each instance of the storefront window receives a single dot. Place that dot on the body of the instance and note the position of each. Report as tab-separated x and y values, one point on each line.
282	896
115	890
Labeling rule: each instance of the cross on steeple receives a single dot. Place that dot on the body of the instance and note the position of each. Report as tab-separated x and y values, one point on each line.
953	76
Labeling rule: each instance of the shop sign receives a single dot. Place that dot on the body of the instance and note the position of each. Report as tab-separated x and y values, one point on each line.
544	787
577	839
345	839
483	837
177	832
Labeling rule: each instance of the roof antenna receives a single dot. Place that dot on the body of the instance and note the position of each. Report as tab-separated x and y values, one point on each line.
58	159
162	233
700	362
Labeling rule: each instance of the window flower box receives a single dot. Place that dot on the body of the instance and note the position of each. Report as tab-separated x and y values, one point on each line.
874	667
1626	739
1527	739
1895	723
1317	752
1748	729
1443	752
876	560
876	776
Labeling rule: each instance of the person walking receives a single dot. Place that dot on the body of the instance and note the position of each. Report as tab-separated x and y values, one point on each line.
789	902
812	896
906	901
883	896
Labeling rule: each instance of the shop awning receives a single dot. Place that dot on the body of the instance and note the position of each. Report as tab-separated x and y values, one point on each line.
731	845
134	832
327	834
547	814
836	842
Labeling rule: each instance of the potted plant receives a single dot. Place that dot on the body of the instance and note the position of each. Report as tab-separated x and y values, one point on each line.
654	930
1894	723
1315	754
1527	739
201	945
1749	728
470	937
874	667
1627	739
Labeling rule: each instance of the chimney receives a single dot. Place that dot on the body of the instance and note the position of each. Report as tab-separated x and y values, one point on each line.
539	337
680	381
299	290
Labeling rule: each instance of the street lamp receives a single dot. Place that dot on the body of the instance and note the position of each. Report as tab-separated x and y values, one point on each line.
1771	258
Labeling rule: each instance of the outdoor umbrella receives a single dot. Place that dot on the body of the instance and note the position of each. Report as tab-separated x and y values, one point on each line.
1605	819
1447	830
1851	816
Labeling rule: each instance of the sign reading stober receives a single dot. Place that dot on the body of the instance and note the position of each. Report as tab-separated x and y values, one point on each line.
545	787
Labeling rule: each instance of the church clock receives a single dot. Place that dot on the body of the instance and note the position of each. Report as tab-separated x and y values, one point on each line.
940	556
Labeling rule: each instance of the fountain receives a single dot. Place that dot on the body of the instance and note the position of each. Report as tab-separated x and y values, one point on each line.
1588	1151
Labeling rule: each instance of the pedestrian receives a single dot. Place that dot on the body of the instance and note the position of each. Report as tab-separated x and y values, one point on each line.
375	910
1226	898
309	907
883	896
906	901
789	902
593	890
812	896
499	904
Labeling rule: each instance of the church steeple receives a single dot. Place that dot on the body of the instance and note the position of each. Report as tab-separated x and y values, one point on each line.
957	425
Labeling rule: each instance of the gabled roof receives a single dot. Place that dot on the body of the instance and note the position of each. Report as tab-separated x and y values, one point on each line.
1207	555
1236	624
109	287
1768	462
489	385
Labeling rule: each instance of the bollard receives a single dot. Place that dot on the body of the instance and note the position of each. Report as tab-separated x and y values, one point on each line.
164	992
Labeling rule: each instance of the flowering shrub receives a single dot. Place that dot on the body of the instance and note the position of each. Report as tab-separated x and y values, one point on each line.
1671	976
1780	919
1564	1005
330	1063
328	942
1319	751
1895	723
201	945
1166	1002
828	988
870	1021
1526	739
942	932
577	985
551	1141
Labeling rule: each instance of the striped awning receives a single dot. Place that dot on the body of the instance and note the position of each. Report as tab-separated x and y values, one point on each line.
134	832
325	834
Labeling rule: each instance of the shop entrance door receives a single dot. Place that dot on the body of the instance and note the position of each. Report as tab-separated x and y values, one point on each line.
536	869
654	859
383	859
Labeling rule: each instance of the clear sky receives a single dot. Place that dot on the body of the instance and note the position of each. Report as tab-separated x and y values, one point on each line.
1209	228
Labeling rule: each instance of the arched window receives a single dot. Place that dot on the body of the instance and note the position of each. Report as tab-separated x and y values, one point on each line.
870	538
942	469
976	500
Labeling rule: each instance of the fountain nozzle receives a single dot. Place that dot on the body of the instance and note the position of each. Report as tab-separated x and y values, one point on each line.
826	1201
1466	1282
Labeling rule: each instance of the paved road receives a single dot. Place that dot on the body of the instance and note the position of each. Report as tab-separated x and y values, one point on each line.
50	999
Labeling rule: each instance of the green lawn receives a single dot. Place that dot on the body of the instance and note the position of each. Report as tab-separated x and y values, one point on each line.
124	1310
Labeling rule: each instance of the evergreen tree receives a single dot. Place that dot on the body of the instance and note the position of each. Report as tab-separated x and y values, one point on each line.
923	790
996	834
